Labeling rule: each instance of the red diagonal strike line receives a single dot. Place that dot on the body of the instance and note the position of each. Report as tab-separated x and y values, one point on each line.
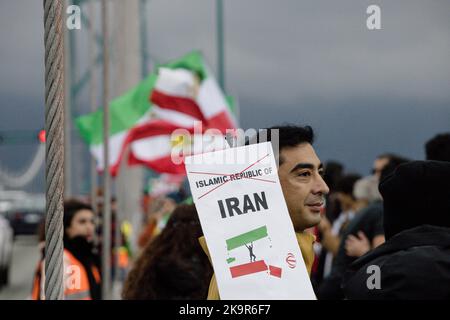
225	175
229	181
228	174
261	179
253	164
211	174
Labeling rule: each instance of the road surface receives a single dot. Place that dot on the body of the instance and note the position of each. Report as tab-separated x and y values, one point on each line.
24	260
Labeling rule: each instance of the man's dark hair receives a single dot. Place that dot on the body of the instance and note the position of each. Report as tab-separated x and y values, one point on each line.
346	183
289	136
438	148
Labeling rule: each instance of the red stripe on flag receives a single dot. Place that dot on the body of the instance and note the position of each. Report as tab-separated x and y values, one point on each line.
180	104
145	130
161	165
154	128
275	271
248	268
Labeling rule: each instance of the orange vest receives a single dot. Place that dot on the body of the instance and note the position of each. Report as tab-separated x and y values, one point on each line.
76	286
123	259
78	289
36	290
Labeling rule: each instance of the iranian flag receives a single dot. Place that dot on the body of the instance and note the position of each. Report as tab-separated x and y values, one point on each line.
188	86
181	95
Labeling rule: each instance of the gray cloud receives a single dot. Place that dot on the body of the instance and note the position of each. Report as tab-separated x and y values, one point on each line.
364	91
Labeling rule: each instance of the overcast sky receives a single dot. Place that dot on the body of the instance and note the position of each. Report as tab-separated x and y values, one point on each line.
310	62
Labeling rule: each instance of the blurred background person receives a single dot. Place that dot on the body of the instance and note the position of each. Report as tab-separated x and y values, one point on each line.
438	147
173	265
82	279
330	233
333	173
156	219
366	189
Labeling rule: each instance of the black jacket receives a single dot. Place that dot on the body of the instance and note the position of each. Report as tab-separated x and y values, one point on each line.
414	264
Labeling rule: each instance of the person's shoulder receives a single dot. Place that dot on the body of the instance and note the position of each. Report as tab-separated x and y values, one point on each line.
367	217
406	261
411	273
375	209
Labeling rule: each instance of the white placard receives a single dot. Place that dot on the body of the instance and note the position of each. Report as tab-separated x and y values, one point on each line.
246	224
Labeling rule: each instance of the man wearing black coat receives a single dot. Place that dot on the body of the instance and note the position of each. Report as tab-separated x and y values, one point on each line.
414	262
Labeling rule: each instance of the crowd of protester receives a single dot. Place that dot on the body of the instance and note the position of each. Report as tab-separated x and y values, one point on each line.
397	217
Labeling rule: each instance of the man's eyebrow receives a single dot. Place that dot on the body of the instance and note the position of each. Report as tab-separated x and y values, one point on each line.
306	166
303	166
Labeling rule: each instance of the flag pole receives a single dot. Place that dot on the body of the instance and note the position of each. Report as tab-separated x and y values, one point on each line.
93	102
143	33
220	43
106	219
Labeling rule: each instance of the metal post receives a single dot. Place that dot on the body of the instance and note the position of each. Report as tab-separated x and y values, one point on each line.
220	43
143	27
128	66
106	219
93	98
54	166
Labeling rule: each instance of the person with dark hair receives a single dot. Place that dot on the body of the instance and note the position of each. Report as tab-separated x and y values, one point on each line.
366	189
172	266
364	233
331	233
380	163
414	262
332	173
81	264
300	172
438	148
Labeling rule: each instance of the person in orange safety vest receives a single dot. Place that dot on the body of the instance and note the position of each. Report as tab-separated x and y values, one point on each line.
81	280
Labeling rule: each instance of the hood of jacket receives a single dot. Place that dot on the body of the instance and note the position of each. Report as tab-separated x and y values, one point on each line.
416	193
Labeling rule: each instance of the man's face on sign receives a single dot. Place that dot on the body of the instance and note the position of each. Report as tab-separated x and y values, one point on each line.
303	187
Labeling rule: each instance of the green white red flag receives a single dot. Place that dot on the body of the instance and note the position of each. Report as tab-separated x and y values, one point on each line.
179	95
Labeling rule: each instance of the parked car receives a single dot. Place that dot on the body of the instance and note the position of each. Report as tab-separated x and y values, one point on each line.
6	245
25	220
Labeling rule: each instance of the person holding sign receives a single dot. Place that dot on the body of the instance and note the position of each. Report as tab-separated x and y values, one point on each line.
300	174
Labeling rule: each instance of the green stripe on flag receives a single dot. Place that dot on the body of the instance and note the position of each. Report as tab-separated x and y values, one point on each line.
125	112
192	61
247	237
231	101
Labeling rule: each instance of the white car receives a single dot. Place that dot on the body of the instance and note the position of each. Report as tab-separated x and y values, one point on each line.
6	245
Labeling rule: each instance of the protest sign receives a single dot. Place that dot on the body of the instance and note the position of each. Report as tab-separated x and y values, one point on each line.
245	220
